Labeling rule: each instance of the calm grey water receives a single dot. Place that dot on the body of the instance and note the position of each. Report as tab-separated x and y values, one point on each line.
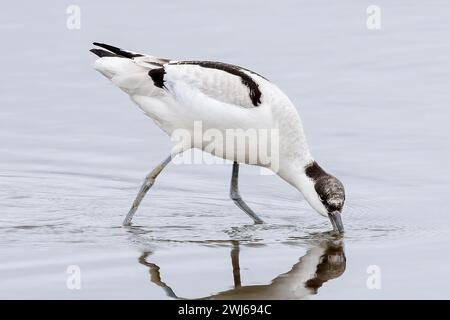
74	150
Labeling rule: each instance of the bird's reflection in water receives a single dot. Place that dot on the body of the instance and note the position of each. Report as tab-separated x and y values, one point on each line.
320	264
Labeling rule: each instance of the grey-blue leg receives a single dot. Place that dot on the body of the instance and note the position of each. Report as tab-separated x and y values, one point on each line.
148	183
236	197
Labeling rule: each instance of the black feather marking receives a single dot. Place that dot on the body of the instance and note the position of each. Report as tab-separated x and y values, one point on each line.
157	76
314	171
254	92
103	53
117	51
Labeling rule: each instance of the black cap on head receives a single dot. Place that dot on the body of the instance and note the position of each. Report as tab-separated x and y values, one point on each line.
330	192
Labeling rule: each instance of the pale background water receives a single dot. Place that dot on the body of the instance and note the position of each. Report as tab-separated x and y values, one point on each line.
74	150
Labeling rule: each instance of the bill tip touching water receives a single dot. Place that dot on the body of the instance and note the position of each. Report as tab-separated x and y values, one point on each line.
177	94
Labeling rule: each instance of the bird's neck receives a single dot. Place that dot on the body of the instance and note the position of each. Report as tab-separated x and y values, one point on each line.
297	173
294	155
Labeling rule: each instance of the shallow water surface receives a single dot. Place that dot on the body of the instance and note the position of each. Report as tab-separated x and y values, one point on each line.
74	150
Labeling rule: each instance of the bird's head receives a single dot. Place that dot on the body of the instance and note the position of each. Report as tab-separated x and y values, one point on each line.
326	194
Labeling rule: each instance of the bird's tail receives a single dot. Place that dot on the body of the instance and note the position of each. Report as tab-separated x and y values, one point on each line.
115	61
126	69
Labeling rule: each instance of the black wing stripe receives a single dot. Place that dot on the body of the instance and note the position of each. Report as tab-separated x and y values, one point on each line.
254	92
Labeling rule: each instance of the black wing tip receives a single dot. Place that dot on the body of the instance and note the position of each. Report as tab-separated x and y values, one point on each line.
103	53
117	51
105	46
